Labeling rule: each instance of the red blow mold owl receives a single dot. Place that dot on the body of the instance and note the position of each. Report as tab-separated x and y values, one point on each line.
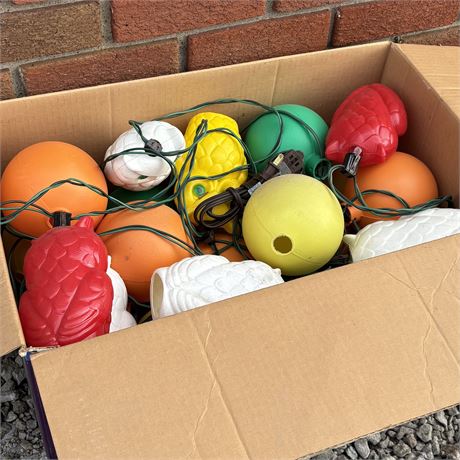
371	117
69	294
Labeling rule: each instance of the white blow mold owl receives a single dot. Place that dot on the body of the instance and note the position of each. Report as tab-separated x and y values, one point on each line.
387	236
139	172
201	280
121	318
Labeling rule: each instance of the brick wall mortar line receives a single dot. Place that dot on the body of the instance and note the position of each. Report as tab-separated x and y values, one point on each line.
106	21
113	45
269	7
110	46
207	29
395	38
242	22
421	32
106	14
18	82
182	39
315	9
108	42
331	26
12	8
8	7
103	47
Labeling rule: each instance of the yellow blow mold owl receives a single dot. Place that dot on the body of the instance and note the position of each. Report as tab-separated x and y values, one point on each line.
216	154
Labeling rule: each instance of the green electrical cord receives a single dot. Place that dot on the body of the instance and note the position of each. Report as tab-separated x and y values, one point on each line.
359	202
178	182
137	303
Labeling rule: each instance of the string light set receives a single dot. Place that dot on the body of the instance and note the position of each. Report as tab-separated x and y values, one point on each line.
213	190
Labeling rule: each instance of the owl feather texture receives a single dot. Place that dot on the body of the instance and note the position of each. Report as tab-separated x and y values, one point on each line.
201	280
387	236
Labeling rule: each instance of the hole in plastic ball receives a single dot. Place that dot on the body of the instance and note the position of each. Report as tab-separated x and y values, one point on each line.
282	244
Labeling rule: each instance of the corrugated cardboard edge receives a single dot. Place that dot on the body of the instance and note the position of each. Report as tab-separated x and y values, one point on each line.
23	120
437	148
266	391
102	112
114	340
429	60
388	427
11	336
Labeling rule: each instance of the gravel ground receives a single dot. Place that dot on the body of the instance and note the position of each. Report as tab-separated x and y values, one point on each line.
20	435
433	437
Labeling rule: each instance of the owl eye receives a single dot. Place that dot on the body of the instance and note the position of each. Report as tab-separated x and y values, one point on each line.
199	190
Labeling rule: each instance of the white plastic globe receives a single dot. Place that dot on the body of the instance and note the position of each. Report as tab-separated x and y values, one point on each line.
139	172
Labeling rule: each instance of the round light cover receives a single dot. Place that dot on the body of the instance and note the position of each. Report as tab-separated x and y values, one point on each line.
140	171
262	134
294	223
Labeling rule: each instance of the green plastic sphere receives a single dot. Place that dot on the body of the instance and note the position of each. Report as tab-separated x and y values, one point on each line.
262	134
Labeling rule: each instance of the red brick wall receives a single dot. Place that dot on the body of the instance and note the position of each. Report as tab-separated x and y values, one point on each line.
52	45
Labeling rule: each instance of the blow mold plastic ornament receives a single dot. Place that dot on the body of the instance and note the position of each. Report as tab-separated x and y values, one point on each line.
262	134
69	294
371	117
140	171
121	318
136	254
388	236
402	174
38	166
293	222
216	154
201	280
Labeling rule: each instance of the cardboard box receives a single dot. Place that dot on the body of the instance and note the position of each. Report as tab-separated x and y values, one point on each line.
286	371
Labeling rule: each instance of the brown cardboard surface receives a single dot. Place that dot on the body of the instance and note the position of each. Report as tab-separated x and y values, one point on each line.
91	118
257	376
433	131
11	336
440	67
273	374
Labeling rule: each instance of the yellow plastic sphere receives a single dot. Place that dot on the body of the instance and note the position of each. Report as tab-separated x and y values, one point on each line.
294	223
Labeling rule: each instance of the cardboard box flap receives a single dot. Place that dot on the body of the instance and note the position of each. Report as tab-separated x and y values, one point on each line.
99	114
440	66
11	336
92	118
272	374
433	124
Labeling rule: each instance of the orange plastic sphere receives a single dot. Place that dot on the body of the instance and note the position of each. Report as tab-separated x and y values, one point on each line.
402	174
136	254
231	253
38	166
